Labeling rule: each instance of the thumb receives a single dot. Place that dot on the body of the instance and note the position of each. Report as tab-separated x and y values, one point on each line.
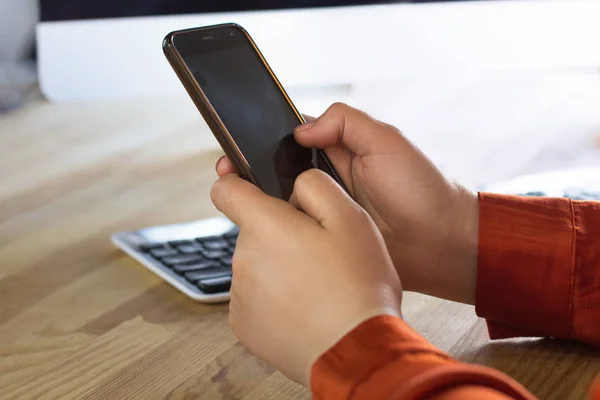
342	125
321	198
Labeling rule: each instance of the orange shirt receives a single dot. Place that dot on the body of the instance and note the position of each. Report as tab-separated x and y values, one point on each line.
538	274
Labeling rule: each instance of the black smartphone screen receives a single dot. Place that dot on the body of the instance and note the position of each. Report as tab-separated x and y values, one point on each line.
250	104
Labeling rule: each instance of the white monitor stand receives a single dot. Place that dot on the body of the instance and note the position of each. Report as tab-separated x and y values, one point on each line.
329	49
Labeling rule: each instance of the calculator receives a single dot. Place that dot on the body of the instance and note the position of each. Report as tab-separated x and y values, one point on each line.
194	257
576	184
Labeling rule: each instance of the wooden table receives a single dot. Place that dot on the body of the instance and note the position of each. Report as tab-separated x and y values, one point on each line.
80	320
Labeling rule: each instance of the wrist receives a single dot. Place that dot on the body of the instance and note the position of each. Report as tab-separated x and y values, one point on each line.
454	275
462	245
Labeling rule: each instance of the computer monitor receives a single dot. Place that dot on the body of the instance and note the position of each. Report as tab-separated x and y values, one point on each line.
98	49
64	10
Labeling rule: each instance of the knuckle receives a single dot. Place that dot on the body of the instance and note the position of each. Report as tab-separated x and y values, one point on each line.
392	128
362	214
215	191
338	107
238	264
224	189
310	174
304	179
218	190
233	321
234	311
358	214
237	326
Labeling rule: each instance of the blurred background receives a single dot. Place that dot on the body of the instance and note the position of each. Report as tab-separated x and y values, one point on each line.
18	19
463	79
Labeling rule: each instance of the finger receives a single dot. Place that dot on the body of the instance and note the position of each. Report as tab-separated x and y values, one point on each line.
294	200
342	162
308	118
225	167
244	203
350	128
321	198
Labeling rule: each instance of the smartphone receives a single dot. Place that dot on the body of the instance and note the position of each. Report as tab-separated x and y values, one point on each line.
245	106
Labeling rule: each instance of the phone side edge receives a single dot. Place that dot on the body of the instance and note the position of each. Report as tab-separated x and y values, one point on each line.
199	99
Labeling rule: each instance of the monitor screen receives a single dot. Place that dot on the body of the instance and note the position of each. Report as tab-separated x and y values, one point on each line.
63	10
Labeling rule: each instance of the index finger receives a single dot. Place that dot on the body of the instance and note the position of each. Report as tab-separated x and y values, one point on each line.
244	203
225	167
321	198
308	118
351	128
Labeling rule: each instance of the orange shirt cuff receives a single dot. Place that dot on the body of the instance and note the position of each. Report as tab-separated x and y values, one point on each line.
585	316
538	267
525	265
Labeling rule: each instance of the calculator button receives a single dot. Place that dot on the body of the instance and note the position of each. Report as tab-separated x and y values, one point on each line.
578	194
182	259
215	244
535	194
176	243
203	239
147	247
233	233
232	240
208	273
227	260
591	195
215	285
181	268
163	252
214	254
192	248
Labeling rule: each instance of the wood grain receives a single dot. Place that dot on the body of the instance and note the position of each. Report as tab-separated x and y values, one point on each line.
80	320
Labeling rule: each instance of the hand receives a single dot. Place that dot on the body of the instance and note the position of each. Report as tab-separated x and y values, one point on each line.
429	224
303	279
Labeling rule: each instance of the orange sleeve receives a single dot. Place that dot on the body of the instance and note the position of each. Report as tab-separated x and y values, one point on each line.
538	275
383	358
538	270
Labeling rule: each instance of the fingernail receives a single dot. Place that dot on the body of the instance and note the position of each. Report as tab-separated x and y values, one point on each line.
306	126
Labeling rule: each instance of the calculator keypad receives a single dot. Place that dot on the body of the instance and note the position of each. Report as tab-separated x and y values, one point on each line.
573	194
203	262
